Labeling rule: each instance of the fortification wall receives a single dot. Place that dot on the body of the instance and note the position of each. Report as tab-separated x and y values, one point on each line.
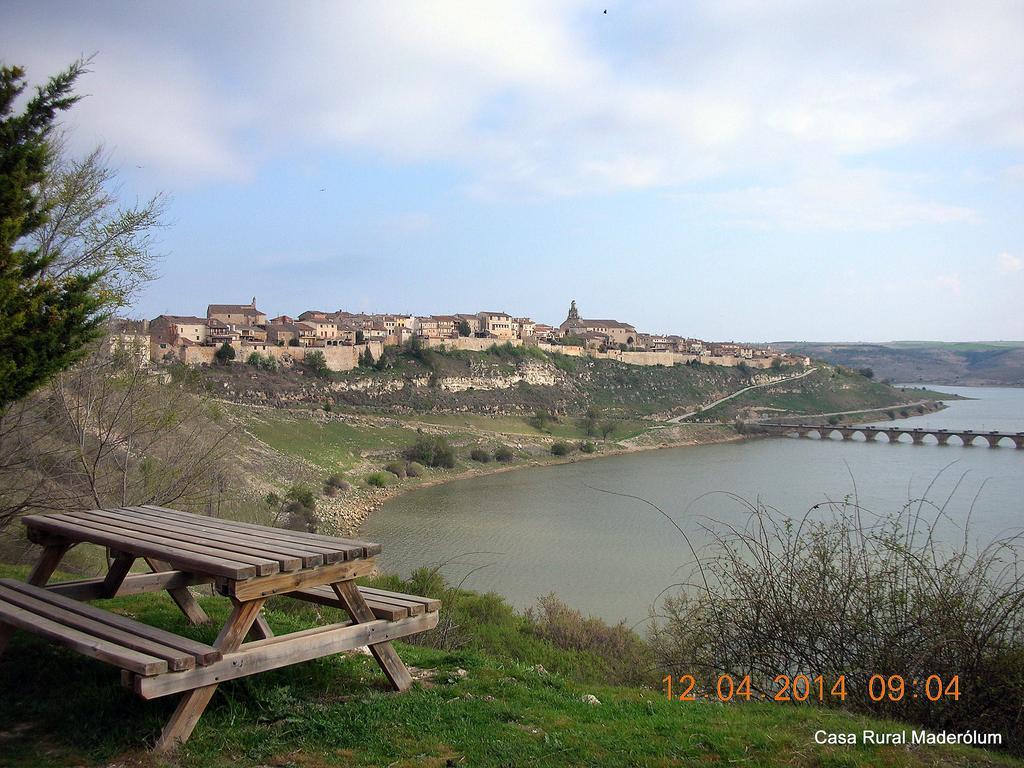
338	358
656	358
470	343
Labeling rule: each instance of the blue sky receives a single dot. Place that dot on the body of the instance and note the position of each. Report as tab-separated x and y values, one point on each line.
727	170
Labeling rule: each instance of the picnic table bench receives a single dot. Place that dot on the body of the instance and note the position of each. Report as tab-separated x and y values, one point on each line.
244	562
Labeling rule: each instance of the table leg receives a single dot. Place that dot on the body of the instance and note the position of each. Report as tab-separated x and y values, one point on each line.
40	574
188	604
119	568
260	629
385	654
193	703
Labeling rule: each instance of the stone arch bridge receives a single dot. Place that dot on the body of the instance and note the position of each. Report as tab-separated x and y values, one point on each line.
966	437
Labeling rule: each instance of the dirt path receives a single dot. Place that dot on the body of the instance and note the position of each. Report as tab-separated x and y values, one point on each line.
709	406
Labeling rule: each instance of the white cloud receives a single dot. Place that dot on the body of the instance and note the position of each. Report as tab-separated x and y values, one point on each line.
555	98
1009	263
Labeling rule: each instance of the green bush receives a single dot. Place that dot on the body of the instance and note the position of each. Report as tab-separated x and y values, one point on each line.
396	468
431	451
378	479
504	453
415	469
587	447
481	455
298	510
225	353
561	449
317	363
263	362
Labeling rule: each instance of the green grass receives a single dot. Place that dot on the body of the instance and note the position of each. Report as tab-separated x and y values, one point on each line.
920	393
567	427
59	708
825	391
332	445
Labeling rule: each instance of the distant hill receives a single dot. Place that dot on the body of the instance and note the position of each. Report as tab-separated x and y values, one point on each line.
967	363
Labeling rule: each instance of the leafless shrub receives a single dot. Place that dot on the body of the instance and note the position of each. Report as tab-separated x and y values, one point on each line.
108	433
842	591
617	644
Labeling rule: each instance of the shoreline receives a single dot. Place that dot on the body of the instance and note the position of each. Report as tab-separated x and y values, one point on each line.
354	512
350	520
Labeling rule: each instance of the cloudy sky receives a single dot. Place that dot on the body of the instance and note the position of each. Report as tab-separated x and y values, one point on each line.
730	169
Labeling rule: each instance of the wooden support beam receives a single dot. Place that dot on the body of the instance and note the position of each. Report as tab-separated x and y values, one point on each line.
260	629
134	584
119	569
193	704
280	583
385	654
282	651
41	572
180	595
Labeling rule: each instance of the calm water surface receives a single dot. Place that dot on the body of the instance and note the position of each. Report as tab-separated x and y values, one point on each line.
546	529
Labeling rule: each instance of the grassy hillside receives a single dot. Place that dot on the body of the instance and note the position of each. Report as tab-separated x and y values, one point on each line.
515	382
485	703
828	390
502	382
965	363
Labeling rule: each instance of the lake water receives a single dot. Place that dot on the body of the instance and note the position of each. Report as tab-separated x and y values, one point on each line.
547	529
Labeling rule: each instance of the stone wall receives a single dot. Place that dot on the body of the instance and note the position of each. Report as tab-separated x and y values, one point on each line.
338	358
667	359
470	343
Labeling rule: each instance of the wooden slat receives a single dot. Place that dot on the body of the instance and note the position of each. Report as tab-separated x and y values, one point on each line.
285	650
384	604
369	549
325	596
76	531
281	583
103	650
133	584
44	567
176	659
270	535
111	523
192	533
310	556
202	653
429	603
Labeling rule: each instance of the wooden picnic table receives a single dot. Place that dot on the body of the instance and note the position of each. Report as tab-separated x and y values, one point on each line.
244	562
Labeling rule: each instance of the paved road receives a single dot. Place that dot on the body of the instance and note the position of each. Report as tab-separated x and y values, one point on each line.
709	406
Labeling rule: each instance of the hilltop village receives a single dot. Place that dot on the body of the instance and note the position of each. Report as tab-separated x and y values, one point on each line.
346	339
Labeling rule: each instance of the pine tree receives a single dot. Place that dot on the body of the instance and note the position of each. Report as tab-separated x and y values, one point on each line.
44	323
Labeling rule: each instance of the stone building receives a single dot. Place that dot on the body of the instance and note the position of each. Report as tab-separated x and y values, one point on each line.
617	332
237	314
